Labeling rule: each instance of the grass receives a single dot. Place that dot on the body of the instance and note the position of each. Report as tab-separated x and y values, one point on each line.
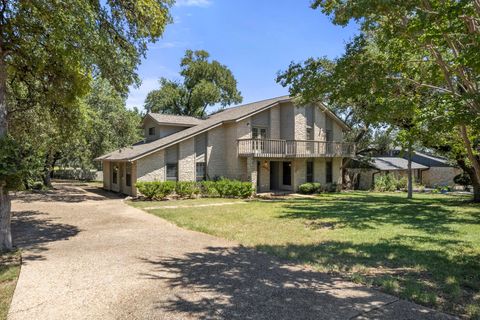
9	271
426	250
180	203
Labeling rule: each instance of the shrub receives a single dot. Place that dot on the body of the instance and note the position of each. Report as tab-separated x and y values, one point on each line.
234	188
246	190
385	182
402	183
208	189
462	179
155	189
148	189
186	189
310	188
165	189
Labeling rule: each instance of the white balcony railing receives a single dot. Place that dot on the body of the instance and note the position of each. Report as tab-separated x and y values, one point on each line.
274	148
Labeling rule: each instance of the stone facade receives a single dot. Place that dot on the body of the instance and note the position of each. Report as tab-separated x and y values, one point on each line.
284	121
186	160
440	176
151	167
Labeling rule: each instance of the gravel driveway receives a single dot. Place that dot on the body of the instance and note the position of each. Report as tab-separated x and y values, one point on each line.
87	255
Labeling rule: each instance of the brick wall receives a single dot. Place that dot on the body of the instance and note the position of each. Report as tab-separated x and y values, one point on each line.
151	167
186	160
275	122
216	160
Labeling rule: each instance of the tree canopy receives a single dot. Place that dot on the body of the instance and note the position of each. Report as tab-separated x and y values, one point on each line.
205	83
49	53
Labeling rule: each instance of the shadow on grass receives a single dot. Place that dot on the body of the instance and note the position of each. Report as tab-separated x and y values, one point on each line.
421	275
32	230
242	283
367	211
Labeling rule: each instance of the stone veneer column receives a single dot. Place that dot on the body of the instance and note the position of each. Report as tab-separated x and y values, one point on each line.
186	160
252	171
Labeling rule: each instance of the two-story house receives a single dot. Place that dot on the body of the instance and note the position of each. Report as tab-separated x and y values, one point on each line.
273	143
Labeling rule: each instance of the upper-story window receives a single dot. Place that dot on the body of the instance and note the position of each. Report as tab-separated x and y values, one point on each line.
310	120
259	133
151	131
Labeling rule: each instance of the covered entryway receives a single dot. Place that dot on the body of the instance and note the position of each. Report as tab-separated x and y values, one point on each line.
280	175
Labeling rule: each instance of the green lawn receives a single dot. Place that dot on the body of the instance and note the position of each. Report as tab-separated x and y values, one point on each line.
180	203
426	250
9	270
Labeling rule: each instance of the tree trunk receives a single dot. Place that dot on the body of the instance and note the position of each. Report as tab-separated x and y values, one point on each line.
5	204
468	145
473	177
409	172
476	191
5	231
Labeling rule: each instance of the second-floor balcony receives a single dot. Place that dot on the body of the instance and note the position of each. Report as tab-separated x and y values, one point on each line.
274	148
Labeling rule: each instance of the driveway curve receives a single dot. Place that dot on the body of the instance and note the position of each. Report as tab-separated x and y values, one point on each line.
88	255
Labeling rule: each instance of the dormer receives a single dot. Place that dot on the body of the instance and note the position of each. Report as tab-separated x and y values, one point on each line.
158	125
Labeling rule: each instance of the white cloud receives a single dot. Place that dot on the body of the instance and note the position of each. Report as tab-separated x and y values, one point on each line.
193	3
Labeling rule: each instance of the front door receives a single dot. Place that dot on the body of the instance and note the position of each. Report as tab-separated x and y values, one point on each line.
274	175
287	173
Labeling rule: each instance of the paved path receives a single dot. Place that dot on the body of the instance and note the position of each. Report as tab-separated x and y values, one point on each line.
87	255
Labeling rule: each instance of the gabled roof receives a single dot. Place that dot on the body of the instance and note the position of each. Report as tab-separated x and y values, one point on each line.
169	119
430	160
233	114
393	163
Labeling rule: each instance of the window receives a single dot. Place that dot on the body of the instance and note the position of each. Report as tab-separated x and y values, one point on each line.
200	171
172	171
128	175
259	133
309	171
115	174
329	171
151	131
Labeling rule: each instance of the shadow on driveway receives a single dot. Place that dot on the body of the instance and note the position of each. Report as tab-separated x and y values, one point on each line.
241	283
68	194
34	229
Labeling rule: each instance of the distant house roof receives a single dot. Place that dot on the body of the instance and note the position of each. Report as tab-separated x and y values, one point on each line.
169	119
233	114
430	160
393	163
424	158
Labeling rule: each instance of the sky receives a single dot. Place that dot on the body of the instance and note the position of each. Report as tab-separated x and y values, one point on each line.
254	38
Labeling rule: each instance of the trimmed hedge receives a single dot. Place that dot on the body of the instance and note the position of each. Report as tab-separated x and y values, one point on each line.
223	188
187	189
156	189
310	188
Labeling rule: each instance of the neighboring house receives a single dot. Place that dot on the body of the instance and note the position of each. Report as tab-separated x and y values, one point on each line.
272	143
428	170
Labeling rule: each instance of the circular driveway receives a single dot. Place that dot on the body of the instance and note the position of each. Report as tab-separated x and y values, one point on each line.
88	255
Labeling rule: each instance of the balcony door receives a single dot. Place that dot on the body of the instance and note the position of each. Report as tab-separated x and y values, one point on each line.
259	135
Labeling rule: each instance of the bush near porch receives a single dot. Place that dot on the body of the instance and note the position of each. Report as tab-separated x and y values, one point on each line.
223	188
426	250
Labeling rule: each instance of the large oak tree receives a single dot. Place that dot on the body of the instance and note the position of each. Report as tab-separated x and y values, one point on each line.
49	52
205	83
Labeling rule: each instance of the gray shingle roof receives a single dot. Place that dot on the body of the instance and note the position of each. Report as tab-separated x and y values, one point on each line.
174	119
142	149
394	163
